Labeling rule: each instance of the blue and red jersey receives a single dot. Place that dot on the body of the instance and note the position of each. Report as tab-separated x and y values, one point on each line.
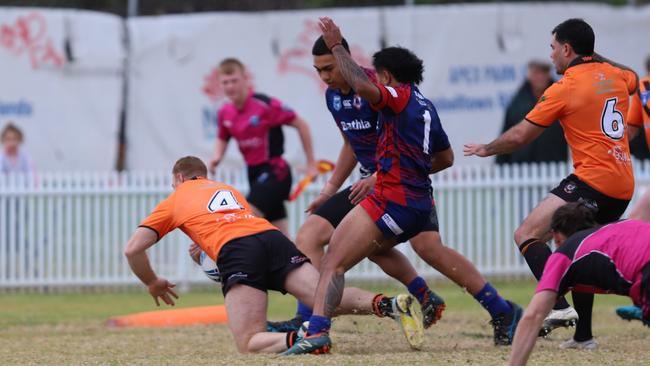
358	122
410	134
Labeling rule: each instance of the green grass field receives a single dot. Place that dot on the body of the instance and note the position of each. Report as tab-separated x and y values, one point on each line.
68	329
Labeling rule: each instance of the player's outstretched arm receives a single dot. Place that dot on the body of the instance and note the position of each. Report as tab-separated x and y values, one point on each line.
342	170
219	151
519	135
352	73
442	160
307	144
529	325
345	164
136	254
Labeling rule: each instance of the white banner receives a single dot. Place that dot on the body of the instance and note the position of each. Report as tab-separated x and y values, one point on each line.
476	55
175	92
475	58
66	99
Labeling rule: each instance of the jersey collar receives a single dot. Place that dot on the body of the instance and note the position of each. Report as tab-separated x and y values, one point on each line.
581	60
246	101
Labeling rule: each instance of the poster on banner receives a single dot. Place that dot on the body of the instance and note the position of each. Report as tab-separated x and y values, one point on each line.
63	88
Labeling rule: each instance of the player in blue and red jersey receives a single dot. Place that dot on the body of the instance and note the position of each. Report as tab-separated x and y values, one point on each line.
255	121
410	140
357	121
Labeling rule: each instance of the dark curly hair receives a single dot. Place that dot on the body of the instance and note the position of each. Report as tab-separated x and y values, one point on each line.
573	217
403	64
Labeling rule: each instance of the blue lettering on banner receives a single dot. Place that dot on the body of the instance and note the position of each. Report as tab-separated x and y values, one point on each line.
478	74
18	109
464	102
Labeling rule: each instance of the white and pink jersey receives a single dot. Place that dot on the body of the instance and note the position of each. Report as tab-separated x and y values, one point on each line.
256	127
609	259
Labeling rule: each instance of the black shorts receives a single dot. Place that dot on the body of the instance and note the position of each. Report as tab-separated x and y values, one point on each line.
609	209
269	187
262	261
335	209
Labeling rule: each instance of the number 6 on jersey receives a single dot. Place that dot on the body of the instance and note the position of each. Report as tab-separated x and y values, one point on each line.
611	120
223	201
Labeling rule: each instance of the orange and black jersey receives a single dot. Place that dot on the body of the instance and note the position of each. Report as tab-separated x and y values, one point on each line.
209	212
591	102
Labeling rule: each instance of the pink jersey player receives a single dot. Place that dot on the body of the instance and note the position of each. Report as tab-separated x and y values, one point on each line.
255	121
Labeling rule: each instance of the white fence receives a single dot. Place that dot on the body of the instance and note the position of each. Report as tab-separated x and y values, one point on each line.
71	229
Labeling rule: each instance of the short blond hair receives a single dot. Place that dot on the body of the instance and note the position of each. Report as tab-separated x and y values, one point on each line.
231	65
189	167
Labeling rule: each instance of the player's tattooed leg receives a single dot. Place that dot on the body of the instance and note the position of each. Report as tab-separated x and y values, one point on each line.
334	293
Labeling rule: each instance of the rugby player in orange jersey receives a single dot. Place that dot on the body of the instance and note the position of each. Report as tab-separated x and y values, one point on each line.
591	102
252	255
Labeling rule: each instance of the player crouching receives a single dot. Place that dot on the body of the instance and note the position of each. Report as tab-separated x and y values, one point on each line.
252	256
612	259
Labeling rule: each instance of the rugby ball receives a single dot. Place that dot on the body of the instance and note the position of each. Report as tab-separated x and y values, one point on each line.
209	267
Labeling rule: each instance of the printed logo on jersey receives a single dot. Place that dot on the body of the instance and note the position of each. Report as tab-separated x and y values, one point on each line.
347	104
254	120
589	203
336	102
570	187
618	152
356	102
298	259
252	142
237	275
645	95
420	98
356	125
392	225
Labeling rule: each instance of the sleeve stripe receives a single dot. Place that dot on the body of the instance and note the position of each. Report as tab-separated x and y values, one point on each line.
152	229
536	124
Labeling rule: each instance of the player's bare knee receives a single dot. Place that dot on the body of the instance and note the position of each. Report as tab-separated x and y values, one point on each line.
522	233
242	342
307	240
431	242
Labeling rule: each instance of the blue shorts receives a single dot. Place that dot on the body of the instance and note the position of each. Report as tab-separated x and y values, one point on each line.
396	221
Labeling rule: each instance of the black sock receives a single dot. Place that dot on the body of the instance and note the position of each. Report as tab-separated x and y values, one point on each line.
536	254
583	304
561	303
291	338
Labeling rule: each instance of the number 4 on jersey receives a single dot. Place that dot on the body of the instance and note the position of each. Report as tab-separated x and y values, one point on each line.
223	201
611	120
